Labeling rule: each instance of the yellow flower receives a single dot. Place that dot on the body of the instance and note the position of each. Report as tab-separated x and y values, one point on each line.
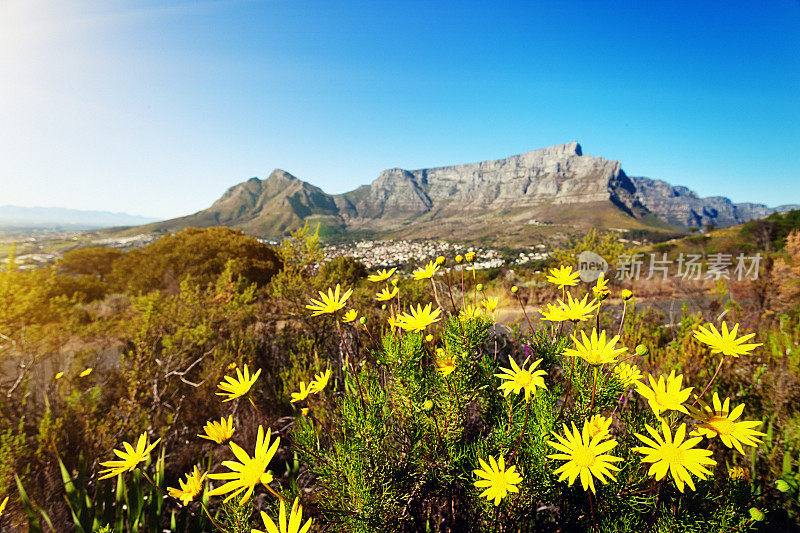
239	386
59	375
329	303
601	290
428	338
385	295
595	350
518	379
578	310
496	479
627	374
381	275
469	257
350	316
738	473
676	455
440	260
248	473
563	276
419	319
445	364
393	322
586	457
725	342
598	426
231	366
721	422
190	489
219	432
320	382
490	303
470	312
303	394
553	314
3	505
284	525
130	458
85	372
626	294
426	272
459	258
665	395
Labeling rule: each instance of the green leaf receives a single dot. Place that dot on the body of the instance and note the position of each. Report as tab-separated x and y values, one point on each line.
783	486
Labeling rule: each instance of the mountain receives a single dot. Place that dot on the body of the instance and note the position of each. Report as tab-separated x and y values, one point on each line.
555	189
57	218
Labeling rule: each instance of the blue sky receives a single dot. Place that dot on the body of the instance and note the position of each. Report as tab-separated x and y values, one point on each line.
155	108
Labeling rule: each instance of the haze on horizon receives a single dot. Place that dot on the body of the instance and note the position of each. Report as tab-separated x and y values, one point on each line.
156	107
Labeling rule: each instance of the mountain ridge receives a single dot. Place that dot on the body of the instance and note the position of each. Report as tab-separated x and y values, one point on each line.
557	186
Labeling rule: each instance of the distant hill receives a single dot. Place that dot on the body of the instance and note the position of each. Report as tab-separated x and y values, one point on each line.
57	218
555	189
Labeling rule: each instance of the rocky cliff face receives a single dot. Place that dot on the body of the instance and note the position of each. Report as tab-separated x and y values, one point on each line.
558	184
683	207
555	175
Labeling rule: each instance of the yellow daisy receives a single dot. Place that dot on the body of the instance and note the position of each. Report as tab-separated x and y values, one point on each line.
725	342
471	312
445	364
627	374
676	455
518	379
329	303
393	322
578	310
665	395
496	479
426	272
381	275
239	386
601	290
599	426
320	382
85	372
419	319
554	313
595	350
586	456
245	475
292	524
720	421
350	316
219	432
563	276
302	394
385	295
189	489
129	459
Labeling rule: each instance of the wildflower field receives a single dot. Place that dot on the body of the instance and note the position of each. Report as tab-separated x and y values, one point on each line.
210	383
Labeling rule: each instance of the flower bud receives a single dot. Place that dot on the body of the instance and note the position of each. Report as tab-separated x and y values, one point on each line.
757	514
479	287
383	307
642	350
459	258
470	257
428	338
440	260
363	320
514	289
427	406
626	294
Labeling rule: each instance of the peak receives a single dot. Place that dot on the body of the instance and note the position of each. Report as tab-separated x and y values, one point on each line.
279	174
572	148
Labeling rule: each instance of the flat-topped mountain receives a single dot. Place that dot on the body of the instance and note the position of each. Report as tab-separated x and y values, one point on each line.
555	187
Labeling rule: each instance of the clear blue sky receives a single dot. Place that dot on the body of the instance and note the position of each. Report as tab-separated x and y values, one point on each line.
155	108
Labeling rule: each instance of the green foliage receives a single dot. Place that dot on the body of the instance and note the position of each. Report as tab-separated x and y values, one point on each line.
90	261
606	245
770	233
199	253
